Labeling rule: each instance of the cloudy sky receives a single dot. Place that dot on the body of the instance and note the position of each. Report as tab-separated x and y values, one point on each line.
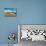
10	10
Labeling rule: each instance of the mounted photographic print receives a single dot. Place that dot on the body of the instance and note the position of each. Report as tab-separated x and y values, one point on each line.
10	11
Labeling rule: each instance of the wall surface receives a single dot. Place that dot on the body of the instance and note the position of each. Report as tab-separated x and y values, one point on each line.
28	12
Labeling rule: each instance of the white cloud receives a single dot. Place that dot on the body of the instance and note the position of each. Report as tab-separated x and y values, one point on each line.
9	11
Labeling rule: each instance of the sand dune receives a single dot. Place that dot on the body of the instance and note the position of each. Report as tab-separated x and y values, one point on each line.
10	14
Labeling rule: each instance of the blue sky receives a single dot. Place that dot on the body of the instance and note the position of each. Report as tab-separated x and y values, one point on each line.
10	9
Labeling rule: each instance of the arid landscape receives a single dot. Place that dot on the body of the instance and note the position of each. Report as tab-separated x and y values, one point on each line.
10	14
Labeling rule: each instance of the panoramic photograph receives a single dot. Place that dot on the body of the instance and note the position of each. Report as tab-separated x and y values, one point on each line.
10	11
